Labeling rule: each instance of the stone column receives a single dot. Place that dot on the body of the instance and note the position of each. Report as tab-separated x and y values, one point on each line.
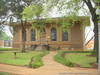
28	37
37	34
17	39
28	33
59	34
20	35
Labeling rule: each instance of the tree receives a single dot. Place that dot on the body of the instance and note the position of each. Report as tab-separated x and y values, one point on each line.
2	14
34	11
31	12
4	36
11	10
72	7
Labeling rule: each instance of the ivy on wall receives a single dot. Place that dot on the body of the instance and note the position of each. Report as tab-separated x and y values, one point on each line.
65	22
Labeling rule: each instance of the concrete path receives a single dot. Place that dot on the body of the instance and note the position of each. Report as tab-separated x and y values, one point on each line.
50	68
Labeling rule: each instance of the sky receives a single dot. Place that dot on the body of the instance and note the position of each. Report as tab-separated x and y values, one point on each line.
7	31
89	32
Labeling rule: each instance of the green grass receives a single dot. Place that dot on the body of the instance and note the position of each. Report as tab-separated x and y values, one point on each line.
73	58
37	62
8	49
5	73
82	59
22	59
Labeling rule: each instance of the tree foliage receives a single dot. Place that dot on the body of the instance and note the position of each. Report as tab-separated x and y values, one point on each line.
32	11
4	36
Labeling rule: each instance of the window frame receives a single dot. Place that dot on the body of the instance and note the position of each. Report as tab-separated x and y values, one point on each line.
33	31
53	32
66	38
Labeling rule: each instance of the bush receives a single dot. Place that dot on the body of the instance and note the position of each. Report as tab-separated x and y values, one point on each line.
69	63
36	61
36	64
58	57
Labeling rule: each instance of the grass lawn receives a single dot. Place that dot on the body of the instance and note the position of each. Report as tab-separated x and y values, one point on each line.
5	73
22	59
79	58
8	49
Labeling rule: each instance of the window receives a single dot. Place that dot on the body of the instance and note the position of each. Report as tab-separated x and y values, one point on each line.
33	35
44	30
23	35
53	34
64	36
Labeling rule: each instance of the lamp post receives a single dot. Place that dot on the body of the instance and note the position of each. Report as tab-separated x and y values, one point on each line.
98	14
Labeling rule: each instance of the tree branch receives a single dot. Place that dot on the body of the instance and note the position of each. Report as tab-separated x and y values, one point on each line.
91	9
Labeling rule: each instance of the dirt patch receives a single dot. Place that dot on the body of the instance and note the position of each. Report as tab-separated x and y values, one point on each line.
77	65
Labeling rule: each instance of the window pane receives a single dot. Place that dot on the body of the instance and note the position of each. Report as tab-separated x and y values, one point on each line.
23	35
33	35
64	36
53	34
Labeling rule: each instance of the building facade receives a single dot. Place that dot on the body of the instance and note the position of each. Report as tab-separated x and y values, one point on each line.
53	36
1	43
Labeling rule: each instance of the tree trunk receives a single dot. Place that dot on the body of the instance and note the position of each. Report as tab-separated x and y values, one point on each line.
23	40
23	46
96	39
95	21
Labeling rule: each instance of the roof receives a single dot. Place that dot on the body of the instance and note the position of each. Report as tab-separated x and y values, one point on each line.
85	20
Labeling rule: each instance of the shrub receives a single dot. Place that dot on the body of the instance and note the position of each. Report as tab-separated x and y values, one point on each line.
59	58
36	61
69	63
36	64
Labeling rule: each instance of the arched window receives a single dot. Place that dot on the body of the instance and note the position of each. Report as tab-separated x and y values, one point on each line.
53	34
33	35
64	36
23	35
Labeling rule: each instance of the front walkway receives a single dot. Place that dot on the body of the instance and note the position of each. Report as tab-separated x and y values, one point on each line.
50	68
